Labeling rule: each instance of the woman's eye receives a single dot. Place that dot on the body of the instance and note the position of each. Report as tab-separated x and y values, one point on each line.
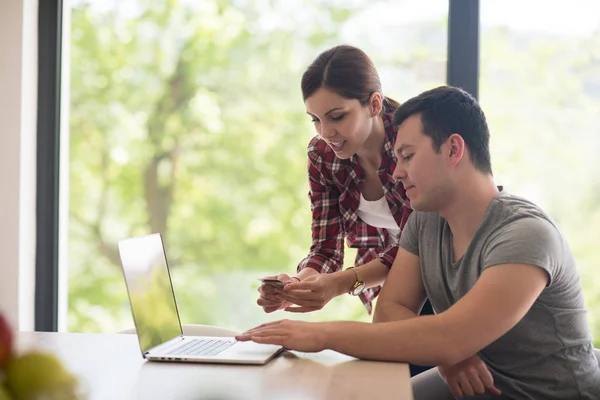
406	158
314	120
338	117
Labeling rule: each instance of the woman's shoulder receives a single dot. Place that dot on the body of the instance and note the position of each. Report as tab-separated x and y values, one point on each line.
319	151
317	145
322	160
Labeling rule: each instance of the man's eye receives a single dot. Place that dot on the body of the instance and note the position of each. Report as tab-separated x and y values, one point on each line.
338	117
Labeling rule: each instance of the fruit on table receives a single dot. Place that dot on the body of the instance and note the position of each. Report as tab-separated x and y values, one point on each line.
6	341
4	393
38	373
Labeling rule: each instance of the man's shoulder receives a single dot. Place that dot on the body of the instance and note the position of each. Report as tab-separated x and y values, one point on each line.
517	226
517	204
509	211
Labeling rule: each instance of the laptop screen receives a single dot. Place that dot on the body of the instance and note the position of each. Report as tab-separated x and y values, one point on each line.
150	290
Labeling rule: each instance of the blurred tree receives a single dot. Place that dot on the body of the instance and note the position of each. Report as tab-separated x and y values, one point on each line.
186	119
541	96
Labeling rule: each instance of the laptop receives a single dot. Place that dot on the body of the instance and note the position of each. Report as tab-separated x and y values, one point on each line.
156	317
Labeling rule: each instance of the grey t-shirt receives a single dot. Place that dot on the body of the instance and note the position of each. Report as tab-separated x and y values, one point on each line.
548	354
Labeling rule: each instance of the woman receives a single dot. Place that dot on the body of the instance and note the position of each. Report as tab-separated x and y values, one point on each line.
353	195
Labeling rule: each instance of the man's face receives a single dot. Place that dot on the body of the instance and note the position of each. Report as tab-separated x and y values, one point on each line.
422	170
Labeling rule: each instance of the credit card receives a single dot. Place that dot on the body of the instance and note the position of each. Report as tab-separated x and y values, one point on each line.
272	282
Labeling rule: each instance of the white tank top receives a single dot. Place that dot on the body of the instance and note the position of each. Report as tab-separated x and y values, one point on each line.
377	213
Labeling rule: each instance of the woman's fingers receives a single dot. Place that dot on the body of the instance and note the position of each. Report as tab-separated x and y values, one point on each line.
298	294
306	302
267	302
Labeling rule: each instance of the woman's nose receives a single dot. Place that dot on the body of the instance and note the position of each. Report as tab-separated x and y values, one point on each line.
327	132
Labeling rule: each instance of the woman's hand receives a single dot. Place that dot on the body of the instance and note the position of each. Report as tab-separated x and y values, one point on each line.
312	293
268	299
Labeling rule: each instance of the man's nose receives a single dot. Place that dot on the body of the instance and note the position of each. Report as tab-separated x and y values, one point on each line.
399	172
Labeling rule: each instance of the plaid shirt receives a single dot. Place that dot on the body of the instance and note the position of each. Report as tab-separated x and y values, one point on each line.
335	188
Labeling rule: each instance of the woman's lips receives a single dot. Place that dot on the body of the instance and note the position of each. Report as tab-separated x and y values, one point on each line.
337	146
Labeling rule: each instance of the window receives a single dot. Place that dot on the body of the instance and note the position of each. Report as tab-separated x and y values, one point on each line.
186	118
540	88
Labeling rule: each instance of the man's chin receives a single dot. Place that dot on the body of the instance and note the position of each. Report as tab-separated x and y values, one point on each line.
420	206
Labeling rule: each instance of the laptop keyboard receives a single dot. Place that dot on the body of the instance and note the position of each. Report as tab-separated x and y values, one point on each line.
200	347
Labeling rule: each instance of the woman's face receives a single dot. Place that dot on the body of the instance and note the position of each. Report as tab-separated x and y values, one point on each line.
343	123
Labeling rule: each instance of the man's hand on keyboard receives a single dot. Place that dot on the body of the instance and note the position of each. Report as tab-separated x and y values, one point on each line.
293	335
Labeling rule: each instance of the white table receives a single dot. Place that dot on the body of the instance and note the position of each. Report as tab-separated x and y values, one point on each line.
113	368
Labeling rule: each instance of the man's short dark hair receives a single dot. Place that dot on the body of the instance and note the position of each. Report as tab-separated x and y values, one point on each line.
446	110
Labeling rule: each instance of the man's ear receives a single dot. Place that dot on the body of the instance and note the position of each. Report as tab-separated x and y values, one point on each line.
457	148
375	104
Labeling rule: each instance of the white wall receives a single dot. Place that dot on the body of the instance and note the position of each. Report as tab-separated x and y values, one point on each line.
18	109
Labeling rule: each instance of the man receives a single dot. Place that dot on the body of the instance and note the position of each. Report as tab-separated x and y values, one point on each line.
510	316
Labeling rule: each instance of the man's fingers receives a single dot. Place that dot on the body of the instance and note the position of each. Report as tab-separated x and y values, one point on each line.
265	332
465	385
273	339
267	335
242	337
455	388
488	382
266	325
494	391
475	380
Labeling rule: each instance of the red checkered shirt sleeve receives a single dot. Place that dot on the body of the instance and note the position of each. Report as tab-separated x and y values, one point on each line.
326	253
388	255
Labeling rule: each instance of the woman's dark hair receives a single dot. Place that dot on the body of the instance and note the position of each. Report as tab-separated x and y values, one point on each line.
347	71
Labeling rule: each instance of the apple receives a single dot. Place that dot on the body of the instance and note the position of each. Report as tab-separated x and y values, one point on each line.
4	395
6	342
40	373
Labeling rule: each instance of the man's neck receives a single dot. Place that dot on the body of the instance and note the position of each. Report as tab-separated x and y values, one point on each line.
468	206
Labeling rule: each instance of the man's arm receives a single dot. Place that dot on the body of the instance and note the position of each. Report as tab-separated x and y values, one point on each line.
403	294
496	303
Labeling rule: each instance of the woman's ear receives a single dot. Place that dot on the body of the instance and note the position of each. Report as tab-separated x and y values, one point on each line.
375	104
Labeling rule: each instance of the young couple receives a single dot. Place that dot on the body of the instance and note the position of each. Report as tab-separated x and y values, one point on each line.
510	319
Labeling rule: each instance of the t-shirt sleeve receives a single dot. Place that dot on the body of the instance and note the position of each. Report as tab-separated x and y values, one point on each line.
532	241
409	239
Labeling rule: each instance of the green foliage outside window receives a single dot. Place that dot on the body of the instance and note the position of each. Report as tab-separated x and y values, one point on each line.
186	118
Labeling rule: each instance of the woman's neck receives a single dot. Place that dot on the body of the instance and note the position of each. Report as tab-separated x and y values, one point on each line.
372	150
